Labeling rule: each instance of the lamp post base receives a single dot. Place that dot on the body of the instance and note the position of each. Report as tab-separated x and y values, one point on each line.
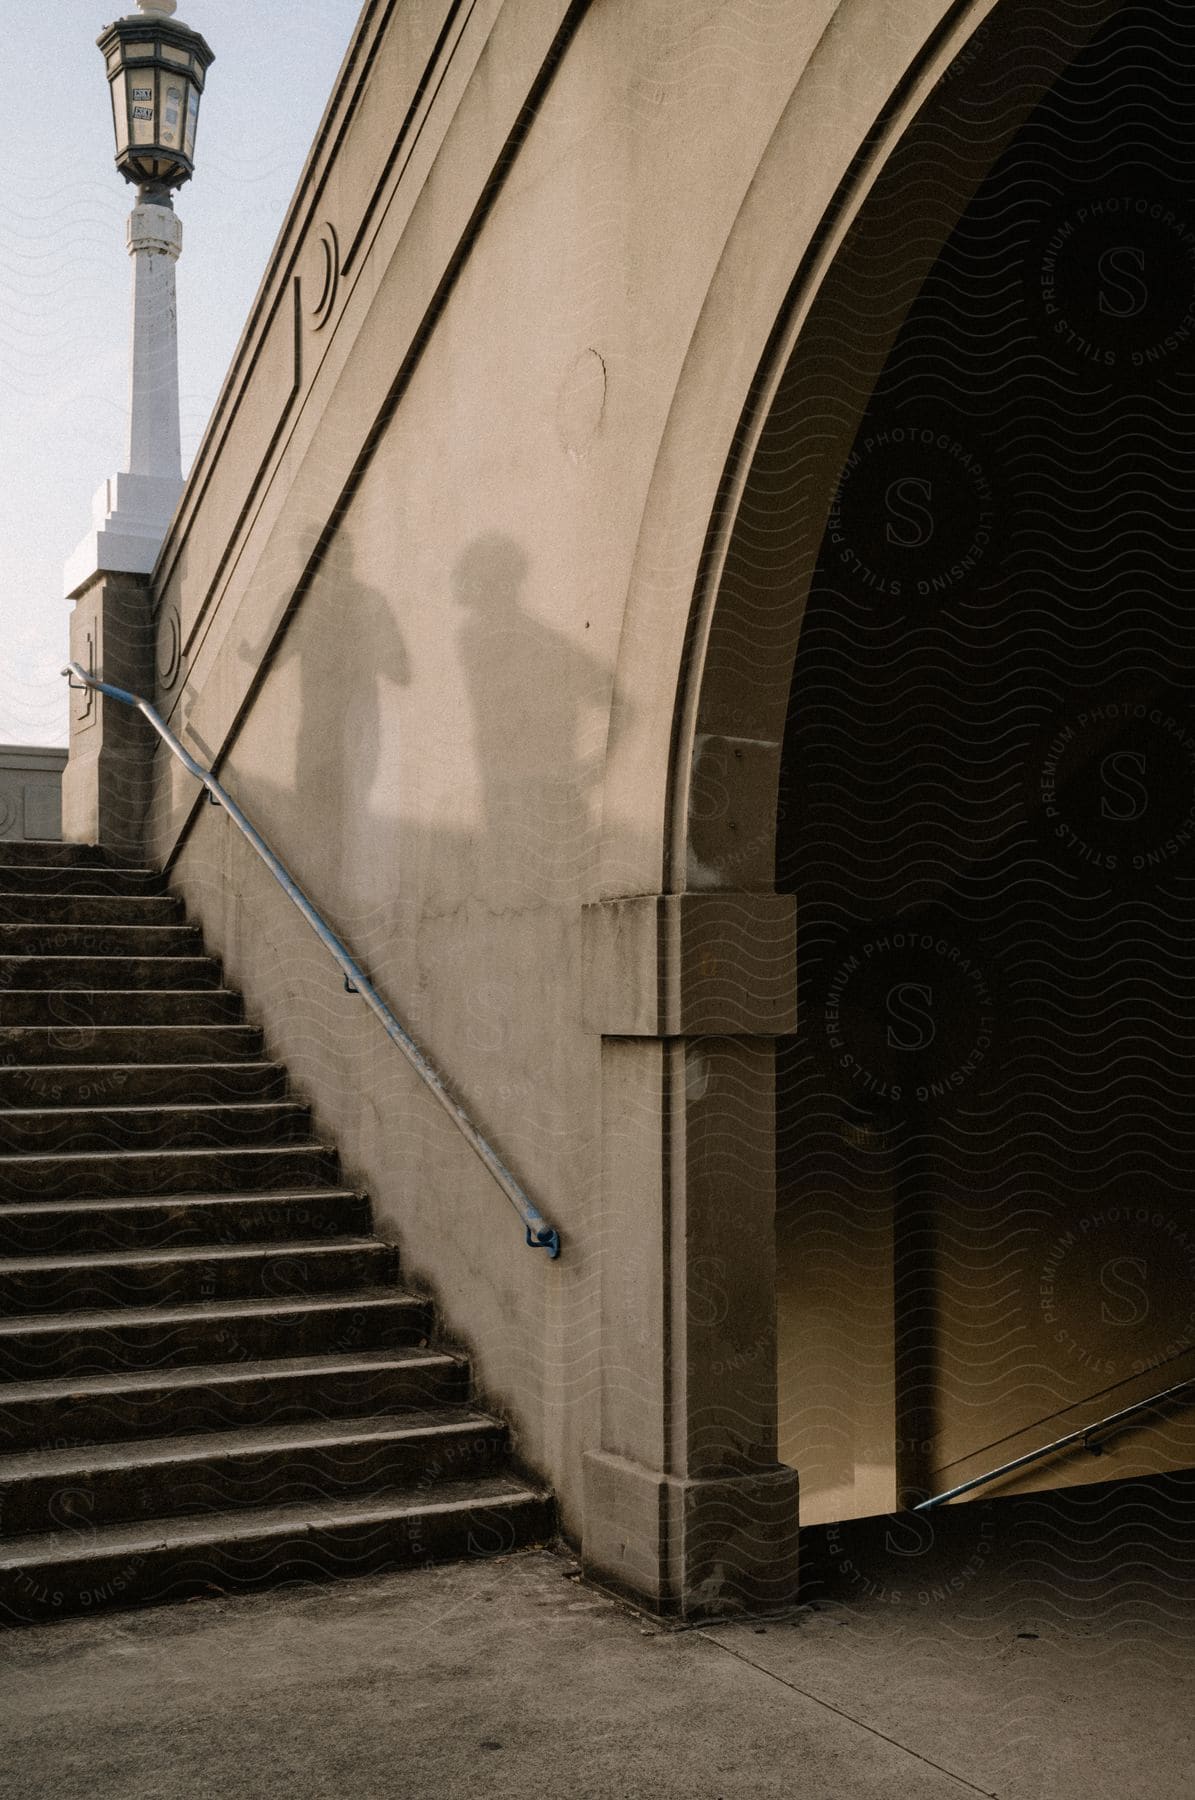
130	516
105	786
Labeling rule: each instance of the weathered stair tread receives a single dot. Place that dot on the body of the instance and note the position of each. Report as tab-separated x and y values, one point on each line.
187	1253
118	1067
226	1375
170	1125
87	909
184	1108
197	1447
129	1006
48	853
36	1165
63	1228
82	963
91	879
45	862
67	994
54	972
89	1047
15	852
494	1493
31	1122
94	1070
12	867
114	939
202	1150
126	1173
122	1036
222	1311
131	1203
60	1086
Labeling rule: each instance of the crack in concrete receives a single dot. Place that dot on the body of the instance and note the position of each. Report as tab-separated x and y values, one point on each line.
952	1774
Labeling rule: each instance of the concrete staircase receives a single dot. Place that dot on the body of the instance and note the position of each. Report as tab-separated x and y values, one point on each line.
210	1375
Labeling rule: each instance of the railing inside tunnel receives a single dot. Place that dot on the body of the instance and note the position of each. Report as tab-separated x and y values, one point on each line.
540	1235
1085	1438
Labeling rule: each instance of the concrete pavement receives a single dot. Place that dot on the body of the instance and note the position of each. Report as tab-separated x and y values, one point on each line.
929	1673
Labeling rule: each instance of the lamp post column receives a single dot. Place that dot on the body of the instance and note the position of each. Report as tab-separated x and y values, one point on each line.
155	239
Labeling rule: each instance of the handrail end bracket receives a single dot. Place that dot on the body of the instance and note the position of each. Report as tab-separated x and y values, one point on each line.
544	1237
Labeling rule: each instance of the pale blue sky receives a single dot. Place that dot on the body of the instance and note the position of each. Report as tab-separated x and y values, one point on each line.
64	277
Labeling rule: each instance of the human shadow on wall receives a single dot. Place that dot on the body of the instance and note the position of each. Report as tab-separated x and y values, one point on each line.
390	844
339	678
315	792
338	714
530	686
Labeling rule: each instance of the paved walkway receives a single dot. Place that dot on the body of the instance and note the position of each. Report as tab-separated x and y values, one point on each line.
926	1671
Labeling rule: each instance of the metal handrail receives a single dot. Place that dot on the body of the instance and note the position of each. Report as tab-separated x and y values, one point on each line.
540	1235
1083	1436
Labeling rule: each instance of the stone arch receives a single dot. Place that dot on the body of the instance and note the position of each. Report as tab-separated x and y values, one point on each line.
854	106
690	952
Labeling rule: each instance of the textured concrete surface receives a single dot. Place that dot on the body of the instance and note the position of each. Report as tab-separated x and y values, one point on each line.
1040	1647
457	721
512	1678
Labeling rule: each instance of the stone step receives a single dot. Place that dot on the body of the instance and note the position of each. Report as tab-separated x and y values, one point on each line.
120	1006
98	1176
58	1131
63	1085
88	1570
225	1396
89	910
187	1276
208	1374
77	1227
88	1046
42	939
74	974
257	1466
132	1339
51	852
83	878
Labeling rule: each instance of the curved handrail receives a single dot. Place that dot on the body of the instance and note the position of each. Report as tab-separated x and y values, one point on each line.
540	1235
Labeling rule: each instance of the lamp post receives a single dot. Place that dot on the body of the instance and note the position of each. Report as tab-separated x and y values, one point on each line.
156	69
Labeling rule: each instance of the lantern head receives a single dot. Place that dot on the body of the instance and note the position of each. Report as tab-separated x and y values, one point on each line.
156	71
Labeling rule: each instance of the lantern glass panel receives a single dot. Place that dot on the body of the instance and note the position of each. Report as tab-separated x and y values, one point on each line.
173	104
192	121
120	114
173	54
140	49
143	112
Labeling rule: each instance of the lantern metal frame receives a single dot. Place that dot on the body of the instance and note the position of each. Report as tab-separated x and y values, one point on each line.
157	67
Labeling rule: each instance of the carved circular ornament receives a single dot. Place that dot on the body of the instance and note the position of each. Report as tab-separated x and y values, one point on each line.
326	275
170	648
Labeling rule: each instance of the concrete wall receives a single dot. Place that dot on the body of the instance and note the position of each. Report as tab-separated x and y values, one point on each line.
30	792
433	601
